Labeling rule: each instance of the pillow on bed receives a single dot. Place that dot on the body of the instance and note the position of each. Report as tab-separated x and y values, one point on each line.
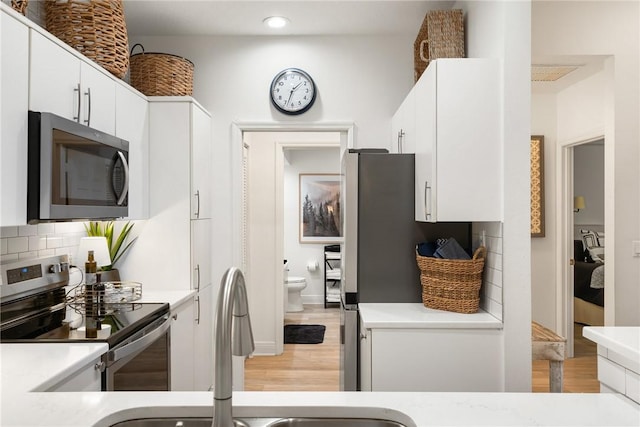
590	238
596	253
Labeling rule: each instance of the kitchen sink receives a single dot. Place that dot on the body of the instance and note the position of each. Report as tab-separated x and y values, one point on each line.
261	422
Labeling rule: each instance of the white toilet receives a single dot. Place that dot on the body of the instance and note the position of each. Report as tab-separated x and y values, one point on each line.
294	286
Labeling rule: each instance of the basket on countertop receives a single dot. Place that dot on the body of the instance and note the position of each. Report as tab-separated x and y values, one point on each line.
452	284
441	36
20	6
160	74
96	29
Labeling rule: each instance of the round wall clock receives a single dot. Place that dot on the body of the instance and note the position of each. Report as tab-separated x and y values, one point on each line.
293	91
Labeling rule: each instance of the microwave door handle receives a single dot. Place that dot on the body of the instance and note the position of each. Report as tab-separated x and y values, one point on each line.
126	179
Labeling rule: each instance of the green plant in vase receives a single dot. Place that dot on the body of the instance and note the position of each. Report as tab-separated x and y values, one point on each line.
117	242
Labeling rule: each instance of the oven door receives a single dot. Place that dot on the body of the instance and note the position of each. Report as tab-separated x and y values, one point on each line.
142	362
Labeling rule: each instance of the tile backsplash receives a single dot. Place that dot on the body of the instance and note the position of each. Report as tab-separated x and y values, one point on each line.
46	239
491	291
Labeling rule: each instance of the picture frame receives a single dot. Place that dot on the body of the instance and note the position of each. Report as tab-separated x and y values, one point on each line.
319	205
537	186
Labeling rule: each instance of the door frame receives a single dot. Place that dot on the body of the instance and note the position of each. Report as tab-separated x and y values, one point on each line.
346	130
564	235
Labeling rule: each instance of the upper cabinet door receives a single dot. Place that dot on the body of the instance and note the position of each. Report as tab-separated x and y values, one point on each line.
201	159
132	124
63	84
459	146
98	99
14	71
403	126
54	79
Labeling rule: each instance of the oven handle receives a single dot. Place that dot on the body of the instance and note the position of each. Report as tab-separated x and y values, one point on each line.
139	344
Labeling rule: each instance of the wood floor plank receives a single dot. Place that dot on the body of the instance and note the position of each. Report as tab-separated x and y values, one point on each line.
316	367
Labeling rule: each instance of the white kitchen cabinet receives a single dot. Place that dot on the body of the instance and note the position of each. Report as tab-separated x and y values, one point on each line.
174	251
201	141
182	346
63	84
203	339
407	347
458	146
132	124
87	378
403	126
14	88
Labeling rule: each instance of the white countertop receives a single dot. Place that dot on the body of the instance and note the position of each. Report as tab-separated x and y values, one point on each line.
174	298
417	316
624	340
25	367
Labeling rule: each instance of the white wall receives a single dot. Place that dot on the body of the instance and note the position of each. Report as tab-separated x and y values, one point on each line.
314	161
588	173
607	28
361	79
543	249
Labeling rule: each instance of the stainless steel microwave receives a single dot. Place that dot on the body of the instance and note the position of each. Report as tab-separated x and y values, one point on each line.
74	172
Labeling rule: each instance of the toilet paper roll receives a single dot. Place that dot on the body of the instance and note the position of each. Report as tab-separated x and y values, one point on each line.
312	266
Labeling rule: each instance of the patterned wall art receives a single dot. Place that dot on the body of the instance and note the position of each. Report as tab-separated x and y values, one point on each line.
537	186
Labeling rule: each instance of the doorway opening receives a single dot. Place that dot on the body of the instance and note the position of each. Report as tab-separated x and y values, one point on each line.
260	244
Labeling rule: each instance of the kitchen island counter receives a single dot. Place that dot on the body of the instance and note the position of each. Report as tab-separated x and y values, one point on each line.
21	407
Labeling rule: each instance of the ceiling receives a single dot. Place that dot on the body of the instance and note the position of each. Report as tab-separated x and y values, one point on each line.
308	17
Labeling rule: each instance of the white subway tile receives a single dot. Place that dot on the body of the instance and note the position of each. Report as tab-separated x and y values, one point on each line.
72	239
3	247
54	242
28	255
46	252
17	244
69	227
45	229
28	230
37	243
6	232
9	257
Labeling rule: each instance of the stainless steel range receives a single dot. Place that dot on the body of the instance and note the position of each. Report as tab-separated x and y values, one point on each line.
33	307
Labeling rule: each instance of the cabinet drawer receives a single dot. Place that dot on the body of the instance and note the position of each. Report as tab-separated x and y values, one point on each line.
611	374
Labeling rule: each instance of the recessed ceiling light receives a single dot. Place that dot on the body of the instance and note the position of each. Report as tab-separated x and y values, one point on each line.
275	21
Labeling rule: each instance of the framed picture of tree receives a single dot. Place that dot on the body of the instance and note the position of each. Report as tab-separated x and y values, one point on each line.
320	208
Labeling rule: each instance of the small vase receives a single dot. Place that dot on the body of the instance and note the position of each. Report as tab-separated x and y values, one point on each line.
20	6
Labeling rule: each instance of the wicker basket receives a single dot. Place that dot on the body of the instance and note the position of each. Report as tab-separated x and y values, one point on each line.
96	29
441	36
452	284
20	6
161	74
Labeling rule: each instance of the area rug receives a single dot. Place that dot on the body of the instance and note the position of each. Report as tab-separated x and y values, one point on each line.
304	334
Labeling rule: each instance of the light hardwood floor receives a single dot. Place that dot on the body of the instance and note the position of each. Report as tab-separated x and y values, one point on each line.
315	367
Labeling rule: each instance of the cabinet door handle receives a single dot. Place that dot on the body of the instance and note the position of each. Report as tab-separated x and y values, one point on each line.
197	269
197	212
400	140
198	312
427	200
88	119
79	96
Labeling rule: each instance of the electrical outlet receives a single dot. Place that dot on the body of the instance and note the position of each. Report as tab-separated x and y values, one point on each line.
636	248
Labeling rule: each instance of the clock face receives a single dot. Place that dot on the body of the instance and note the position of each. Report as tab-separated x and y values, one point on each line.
293	91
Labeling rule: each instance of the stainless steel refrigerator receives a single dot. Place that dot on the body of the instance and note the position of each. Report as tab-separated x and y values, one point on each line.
380	236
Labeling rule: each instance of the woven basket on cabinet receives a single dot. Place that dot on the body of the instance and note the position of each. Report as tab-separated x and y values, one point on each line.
441	36
161	74
95	28
452	284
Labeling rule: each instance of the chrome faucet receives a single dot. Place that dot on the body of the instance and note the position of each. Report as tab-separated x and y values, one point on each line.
232	317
